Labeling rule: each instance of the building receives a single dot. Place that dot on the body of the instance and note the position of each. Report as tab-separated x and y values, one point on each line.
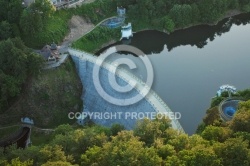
27	120
50	52
127	31
121	11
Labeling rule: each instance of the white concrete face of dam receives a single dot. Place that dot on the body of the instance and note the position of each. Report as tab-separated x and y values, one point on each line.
105	113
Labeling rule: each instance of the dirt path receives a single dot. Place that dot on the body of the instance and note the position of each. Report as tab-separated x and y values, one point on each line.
78	28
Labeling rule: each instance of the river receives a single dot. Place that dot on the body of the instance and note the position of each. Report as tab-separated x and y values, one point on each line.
191	64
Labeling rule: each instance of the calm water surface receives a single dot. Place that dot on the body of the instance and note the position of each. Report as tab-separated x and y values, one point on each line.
190	65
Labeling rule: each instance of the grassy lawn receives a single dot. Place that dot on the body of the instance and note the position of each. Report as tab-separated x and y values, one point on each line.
95	40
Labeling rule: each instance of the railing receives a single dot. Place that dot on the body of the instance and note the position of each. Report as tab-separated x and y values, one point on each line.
223	115
160	106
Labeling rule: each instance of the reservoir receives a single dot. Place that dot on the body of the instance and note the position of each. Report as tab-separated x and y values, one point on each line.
191	64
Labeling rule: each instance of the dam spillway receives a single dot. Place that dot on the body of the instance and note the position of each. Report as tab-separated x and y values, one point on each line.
93	102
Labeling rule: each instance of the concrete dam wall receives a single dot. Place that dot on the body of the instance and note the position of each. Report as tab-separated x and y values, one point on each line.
96	106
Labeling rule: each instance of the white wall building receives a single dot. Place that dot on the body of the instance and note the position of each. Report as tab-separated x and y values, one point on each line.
127	31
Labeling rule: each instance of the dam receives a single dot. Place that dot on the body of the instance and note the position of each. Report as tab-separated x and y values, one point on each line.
94	102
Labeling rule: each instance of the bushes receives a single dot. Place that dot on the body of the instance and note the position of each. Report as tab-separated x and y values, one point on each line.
96	12
54	30
15	69
94	40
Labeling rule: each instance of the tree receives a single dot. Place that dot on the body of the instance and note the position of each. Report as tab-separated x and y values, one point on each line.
180	142
5	30
15	67
168	24
212	116
17	162
116	128
211	10
200	155
241	119
216	133
57	163
233	4
15	9
53	154
149	130
44	8
10	10
234	151
31	22
181	15
63	129
124	149
195	13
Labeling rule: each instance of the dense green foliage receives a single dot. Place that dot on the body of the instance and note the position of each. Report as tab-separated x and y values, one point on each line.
152	143
38	29
94	40
97	11
50	96
182	13
241	119
17	62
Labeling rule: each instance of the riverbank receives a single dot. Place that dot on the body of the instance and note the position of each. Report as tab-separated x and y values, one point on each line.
83	42
228	14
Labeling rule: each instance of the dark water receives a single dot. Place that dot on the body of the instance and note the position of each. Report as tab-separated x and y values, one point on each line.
190	65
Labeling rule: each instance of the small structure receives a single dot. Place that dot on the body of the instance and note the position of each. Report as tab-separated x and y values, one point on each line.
226	88
27	120
50	52
121	12
113	22
127	31
117	21
228	107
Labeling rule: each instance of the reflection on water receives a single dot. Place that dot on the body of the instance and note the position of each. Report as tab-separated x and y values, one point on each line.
190	65
194	36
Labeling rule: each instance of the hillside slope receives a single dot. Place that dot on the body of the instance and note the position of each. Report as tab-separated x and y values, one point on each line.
48	98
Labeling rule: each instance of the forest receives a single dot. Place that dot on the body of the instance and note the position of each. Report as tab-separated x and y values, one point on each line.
172	14
151	143
40	24
216	143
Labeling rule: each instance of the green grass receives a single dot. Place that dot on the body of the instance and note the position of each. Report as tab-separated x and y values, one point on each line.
97	11
54	31
56	27
95	40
